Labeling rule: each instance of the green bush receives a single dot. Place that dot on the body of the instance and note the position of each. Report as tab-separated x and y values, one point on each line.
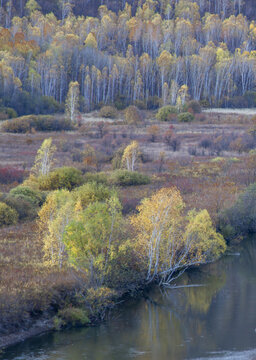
185	117
128	178
25	209
34	197
240	219
61	178
108	112
8	216
25	124
91	192
72	316
166	113
99	178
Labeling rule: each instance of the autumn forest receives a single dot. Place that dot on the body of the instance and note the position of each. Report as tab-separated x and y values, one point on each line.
137	55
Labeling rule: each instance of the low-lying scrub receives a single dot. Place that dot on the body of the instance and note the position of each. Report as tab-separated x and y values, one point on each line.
8	175
240	219
8	216
27	123
61	178
128	178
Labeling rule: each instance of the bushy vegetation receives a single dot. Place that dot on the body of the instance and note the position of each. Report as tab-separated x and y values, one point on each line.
108	112
167	113
61	178
71	316
10	175
185	117
35	197
25	124
99	178
133	115
8	216
24	208
194	106
128	178
91	192
240	219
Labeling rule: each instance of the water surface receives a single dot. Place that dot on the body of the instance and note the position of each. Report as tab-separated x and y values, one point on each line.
215	318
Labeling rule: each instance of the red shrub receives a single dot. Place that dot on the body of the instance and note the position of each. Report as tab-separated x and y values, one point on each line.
9	175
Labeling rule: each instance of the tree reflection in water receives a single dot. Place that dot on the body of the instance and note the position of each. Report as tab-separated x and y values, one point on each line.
214	320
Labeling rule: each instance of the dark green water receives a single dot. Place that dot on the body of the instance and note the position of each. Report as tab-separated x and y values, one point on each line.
214	320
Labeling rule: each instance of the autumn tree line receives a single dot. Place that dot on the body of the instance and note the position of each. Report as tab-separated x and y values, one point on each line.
141	56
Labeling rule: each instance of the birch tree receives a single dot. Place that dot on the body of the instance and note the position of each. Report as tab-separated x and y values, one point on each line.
170	242
44	158
72	101
130	156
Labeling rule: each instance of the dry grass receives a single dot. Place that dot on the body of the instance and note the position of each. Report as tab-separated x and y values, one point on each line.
27	288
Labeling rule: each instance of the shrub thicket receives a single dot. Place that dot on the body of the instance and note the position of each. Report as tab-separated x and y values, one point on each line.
195	106
25	209
71	316
99	178
8	175
167	113
185	117
133	115
128	178
25	124
8	216
91	192
108	112
61	178
34	197
240	219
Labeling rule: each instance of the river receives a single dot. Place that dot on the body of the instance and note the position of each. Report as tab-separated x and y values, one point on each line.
214	318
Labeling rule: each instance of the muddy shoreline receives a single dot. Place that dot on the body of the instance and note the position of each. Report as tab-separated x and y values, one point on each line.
38	328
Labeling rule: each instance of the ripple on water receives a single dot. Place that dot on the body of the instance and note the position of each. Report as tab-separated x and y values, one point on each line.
231	355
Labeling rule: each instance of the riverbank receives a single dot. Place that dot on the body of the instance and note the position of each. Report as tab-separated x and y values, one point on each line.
210	321
40	327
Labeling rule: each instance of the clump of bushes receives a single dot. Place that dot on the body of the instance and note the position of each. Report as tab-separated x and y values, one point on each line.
71	316
167	113
25	209
8	175
240	219
128	178
133	115
185	117
25	201
108	112
91	192
99	178
25	124
194	106
61	178
7	113
8	216
35	197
